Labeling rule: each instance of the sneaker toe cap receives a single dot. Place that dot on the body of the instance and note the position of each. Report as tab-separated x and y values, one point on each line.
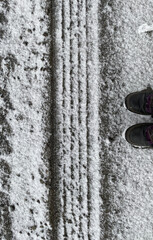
135	136
135	102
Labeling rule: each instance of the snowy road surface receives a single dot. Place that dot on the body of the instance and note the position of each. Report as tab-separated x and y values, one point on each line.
66	172
75	74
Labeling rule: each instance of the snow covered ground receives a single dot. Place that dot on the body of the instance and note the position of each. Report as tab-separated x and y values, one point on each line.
75	72
126	66
24	212
66	171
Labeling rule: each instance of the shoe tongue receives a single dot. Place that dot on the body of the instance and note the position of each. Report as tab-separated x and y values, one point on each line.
149	134
149	104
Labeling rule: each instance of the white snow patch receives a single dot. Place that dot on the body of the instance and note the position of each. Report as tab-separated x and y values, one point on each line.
26	87
145	28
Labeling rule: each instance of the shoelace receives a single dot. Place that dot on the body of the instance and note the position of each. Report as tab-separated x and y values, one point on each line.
149	134
149	104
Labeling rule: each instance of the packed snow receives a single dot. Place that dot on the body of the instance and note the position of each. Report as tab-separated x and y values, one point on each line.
24	81
66	171
76	84
145	28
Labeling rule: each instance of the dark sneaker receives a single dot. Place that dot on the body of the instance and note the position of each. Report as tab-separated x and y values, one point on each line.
140	135
140	102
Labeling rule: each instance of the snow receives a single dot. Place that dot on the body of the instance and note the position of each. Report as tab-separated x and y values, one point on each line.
145	28
126	66
76	116
66	171
26	83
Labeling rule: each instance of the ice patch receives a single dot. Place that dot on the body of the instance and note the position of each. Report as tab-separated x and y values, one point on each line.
107	141
145	28
124	105
123	134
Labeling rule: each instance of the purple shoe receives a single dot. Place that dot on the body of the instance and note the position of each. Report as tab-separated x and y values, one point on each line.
140	102
140	135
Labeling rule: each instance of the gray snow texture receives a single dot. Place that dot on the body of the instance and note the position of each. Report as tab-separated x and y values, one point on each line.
66	171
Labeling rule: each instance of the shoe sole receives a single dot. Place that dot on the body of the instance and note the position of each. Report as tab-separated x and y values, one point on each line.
127	133
149	89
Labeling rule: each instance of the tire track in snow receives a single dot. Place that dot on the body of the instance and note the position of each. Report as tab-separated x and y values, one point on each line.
56	193
82	93
67	208
92	120
76	119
